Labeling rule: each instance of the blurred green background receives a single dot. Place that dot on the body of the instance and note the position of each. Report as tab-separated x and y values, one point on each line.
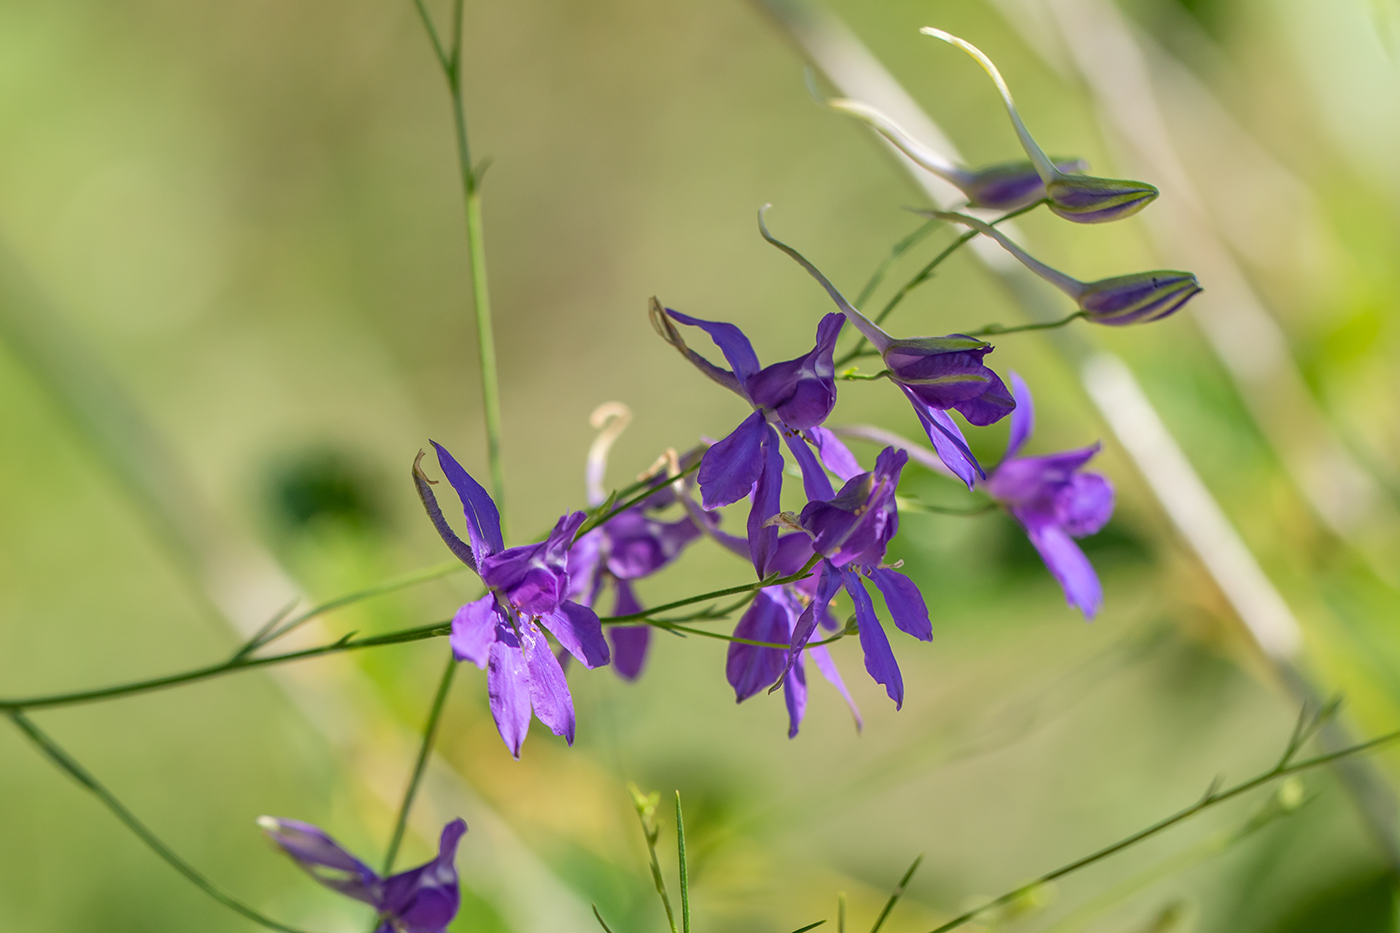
249	215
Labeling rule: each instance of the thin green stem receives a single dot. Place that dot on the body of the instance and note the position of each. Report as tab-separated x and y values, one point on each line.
425	749
646	815
55	754
617	510
770	580
896	895
1211	798
922	276
851	375
720	636
270	634
914	505
997	329
684	872
451	63
345	643
900	248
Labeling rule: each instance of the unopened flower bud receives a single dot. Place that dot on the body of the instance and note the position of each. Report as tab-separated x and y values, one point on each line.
1122	299
1007	186
1083	199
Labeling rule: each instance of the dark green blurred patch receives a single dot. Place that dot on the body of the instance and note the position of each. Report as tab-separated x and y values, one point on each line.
323	486
1357	905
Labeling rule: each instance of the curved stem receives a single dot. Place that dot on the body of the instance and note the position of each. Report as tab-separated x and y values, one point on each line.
923	275
1211	798
60	758
770	580
346	643
991	329
1065	283
1039	159
420	764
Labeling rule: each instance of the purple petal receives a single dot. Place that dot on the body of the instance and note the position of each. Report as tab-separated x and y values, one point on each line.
629	642
1026	480
750	668
456	545
792	553
827	584
1067	562
1084	505
474	630
483	522
814	481
583	566
801	392
989	407
549	691
795	696
1022	417
822	658
425	899
577	628
534	577
324	859
879	659
732	466
508	690
730	340
836	456
947	440
767	498
939	375
905	602
639	545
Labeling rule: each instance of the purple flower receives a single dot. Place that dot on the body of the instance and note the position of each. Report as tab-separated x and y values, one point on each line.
772	617
1007	186
788	398
420	900
936	374
631	545
528	588
1083	199
1137	298
1055	503
851	531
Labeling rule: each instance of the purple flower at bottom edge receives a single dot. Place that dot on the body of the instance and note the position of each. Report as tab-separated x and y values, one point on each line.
420	900
501	631
1055	503
787	398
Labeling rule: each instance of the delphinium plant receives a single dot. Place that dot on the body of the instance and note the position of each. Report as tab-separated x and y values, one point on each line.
568	596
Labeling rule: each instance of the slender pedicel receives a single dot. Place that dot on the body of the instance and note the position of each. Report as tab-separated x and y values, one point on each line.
1083	199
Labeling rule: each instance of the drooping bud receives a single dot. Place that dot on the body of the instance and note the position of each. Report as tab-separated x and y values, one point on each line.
1082	199
1007	186
1122	299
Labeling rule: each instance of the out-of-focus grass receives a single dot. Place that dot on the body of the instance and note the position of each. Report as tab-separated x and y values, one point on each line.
251	212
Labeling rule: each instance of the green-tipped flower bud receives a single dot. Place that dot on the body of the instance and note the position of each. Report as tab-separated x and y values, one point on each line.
1122	299
1083	199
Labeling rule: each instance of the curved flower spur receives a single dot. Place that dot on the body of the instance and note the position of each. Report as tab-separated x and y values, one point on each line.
1008	186
1083	199
1054	502
1136	298
632	544
420	900
789	399
935	373
528	588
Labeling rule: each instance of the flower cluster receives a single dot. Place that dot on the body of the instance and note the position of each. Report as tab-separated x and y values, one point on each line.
837	540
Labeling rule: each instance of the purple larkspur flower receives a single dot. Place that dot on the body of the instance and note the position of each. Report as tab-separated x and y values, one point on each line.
420	900
1136	298
528	589
633	544
936	375
1083	199
851	531
1054	502
787	398
773	617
